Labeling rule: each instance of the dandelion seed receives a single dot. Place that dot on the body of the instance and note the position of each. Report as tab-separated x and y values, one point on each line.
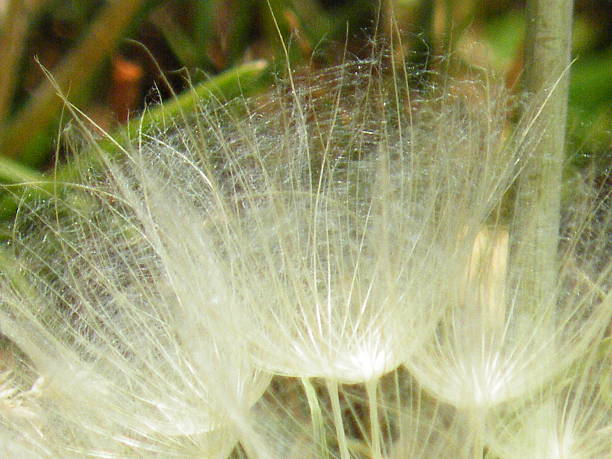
567	419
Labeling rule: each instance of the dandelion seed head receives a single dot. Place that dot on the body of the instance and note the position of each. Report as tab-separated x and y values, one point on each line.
345	234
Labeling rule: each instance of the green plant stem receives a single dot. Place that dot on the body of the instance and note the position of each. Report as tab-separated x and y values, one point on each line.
537	210
13	35
278	30
204	14
14	172
74	72
241	26
178	41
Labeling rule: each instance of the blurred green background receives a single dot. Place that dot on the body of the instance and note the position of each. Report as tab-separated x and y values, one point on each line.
113	58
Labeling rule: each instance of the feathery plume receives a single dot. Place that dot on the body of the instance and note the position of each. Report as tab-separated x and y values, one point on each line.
494	346
571	419
332	235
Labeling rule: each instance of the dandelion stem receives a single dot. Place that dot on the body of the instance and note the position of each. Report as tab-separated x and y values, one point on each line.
537	211
332	388
375	431
476	425
318	425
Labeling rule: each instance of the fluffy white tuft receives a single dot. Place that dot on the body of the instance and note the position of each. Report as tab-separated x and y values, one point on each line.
343	238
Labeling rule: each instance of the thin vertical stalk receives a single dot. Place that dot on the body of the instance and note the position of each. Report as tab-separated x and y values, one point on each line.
318	425
375	431
332	388
537	210
476	424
